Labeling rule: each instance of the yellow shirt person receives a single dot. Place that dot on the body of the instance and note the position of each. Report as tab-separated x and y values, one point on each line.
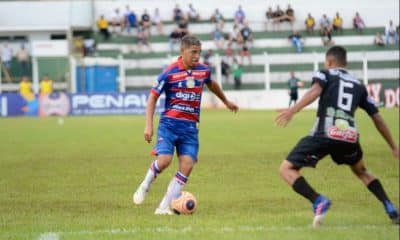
25	89
46	85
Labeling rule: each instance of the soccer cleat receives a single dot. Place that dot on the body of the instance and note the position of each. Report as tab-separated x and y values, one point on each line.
139	195
392	212
166	211
320	207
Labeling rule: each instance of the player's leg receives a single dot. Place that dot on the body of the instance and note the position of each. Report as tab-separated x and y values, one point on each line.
187	148
307	153
375	187
164	149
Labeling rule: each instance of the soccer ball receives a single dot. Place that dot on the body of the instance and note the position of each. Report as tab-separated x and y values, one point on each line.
186	203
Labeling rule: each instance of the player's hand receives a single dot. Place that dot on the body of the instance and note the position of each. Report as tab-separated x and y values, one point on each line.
284	117
232	106
148	133
396	152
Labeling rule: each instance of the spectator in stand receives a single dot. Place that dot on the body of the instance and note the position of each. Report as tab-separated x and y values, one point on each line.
358	23
146	21
23	60
390	32
192	14
225	70
218	37
325	25
245	52
142	39
234	34
25	88
157	21
239	15
218	18
89	47
175	38
326	37
278	14
378	40
102	25
337	24
269	15
229	53
310	24
6	57
117	21
46	85
289	16
295	39
237	71
207	58
131	20
178	14
246	34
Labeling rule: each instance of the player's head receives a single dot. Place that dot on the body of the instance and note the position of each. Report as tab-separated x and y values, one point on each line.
335	57
190	51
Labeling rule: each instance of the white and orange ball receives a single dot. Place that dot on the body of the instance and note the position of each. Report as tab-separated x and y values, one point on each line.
186	203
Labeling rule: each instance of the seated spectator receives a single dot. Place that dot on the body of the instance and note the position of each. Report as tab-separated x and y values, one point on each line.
391	33
237	71
234	33
229	53
337	24
145	21
239	15
193	15
177	14
358	23
289	16
325	25
295	39
46	85
378	40
278	14
131	20
246	34
89	47
207	57
218	18
218	37
245	52
175	38
326	37
117	21
143	39
158	22
102	25
269	16
310	24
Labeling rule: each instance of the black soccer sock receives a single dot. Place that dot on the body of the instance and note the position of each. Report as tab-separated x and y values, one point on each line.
377	189
304	189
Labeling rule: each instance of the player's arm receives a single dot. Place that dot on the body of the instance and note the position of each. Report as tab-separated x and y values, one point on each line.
216	89
150	108
286	115
385	132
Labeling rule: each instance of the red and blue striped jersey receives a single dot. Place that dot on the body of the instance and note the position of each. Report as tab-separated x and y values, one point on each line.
183	89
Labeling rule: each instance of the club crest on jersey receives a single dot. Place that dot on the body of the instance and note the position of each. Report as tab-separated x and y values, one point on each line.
190	82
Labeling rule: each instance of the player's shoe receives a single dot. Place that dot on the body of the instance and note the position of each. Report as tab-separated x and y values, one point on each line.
139	195
320	207
166	211
392	213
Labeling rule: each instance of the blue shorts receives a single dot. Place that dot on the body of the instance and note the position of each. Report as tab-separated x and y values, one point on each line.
180	134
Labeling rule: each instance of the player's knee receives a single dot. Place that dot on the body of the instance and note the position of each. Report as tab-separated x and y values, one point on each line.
284	168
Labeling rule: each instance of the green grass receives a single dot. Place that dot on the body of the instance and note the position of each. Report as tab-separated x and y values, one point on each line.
76	180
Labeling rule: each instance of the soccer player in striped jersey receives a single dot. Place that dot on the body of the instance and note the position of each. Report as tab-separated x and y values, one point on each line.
335	133
182	82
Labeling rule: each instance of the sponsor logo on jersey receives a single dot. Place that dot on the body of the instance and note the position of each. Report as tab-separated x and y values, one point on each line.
200	74
347	135
179	75
188	96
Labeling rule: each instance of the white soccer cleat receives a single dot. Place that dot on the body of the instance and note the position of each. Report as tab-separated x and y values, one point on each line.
318	220
166	211
139	195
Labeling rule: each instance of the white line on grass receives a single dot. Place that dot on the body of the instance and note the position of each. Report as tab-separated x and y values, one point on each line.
244	228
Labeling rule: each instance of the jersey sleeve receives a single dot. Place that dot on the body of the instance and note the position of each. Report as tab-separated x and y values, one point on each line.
159	86
208	78
368	103
320	78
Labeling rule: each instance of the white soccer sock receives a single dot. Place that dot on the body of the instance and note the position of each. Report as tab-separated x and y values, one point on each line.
151	175
174	190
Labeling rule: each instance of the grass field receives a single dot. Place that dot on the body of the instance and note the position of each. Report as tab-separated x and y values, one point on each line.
75	181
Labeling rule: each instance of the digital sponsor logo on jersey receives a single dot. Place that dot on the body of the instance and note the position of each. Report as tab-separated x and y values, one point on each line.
184	108
187	96
348	135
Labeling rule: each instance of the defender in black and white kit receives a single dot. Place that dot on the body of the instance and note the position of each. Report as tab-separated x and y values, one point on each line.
334	133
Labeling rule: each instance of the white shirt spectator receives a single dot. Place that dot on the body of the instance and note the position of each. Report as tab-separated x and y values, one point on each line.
390	29
6	53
